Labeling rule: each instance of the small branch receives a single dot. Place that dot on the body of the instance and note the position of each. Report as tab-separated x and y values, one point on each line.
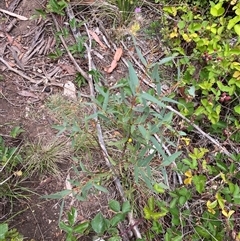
106	156
215	142
20	17
1	93
79	69
18	72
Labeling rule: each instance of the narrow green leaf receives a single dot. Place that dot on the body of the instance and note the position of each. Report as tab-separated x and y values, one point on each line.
158	147
151	203
133	79
166	99
58	195
65	227
146	161
155	73
167	59
105	102
168	117
146	179
149	97
168	160
222	166
101	188
81	228
136	173
144	62
142	130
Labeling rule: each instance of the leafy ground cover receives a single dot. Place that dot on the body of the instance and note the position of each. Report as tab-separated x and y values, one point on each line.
124	121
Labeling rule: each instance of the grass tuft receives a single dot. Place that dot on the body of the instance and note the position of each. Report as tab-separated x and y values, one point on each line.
44	157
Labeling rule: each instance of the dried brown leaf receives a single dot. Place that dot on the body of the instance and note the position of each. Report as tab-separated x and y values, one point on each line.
112	67
14	42
118	54
97	39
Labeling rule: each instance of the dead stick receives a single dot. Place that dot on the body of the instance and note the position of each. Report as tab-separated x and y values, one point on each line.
20	17
106	156
18	72
79	69
201	131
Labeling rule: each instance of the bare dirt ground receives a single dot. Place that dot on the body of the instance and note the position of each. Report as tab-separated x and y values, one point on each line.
36	219
22	104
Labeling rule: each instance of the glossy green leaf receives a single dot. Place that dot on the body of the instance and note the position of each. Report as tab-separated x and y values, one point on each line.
182	200
99	224
147	212
158	188
237	109
232	22
237	29
119	217
199	182
114	205
126	207
202	232
58	195
72	215
173	203
3	230
217	10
